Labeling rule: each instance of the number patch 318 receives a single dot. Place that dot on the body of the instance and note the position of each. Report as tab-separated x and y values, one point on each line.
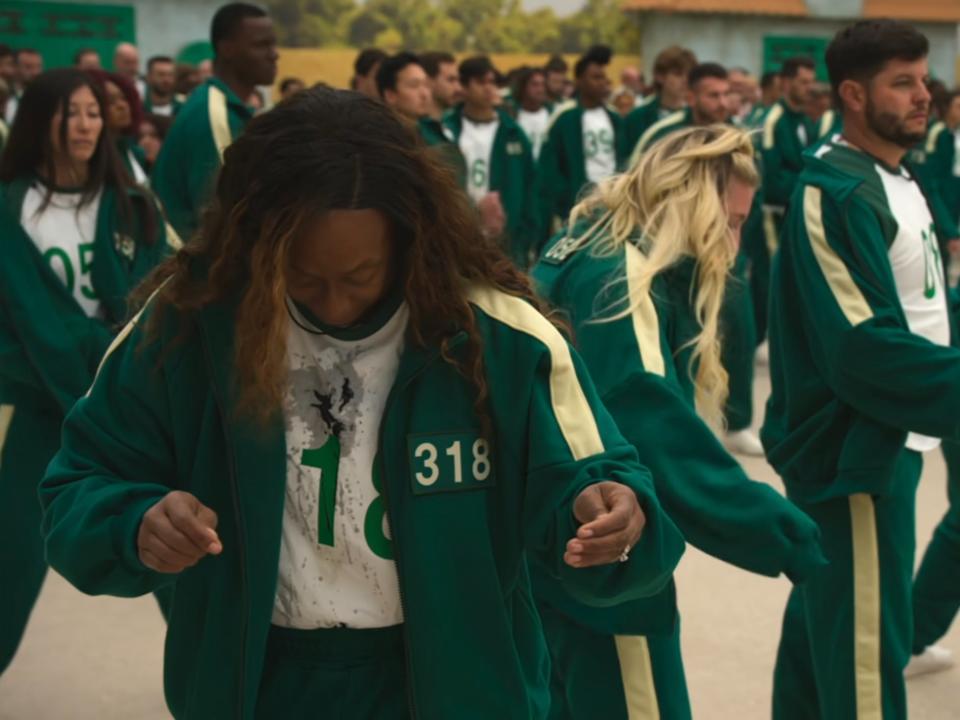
454	461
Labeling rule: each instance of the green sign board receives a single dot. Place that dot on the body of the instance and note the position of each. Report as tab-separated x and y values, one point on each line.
58	30
777	48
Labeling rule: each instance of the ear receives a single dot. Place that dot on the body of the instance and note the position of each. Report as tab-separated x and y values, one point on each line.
853	94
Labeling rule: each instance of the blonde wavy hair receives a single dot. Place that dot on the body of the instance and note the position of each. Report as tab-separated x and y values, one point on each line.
672	204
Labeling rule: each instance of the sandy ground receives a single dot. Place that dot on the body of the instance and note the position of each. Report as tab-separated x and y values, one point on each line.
101	658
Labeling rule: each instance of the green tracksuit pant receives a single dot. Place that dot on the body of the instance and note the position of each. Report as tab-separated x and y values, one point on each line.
613	677
936	589
760	240
739	338
29	438
335	674
847	631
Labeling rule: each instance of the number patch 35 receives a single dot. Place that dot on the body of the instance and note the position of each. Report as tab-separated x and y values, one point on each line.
454	461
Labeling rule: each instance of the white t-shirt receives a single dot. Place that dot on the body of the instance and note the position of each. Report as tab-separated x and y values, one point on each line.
165	110
598	150
476	144
65	236
336	556
917	270
535	125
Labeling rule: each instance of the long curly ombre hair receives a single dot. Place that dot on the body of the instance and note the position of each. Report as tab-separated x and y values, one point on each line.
323	150
672	203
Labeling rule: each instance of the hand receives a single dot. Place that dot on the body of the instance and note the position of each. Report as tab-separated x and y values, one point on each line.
612	521
492	217
953	246
176	533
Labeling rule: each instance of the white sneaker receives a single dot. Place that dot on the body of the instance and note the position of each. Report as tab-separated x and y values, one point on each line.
743	442
932	660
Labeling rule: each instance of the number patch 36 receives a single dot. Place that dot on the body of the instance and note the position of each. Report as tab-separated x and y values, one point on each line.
454	461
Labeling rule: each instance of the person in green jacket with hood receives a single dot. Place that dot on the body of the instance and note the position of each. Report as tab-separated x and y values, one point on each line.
499	158
344	425
641	274
76	236
864	379
585	143
245	56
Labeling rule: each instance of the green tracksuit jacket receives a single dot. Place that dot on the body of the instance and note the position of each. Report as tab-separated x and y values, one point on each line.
786	134
849	378
49	351
436	135
641	366
186	168
660	129
513	174
161	416
934	162
754	118
637	121
562	168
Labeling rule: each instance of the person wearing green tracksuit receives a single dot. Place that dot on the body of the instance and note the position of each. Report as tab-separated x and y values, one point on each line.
343	443
670	70
645	312
787	133
75	236
245	48
864	379
709	87
585	144
499	159
934	161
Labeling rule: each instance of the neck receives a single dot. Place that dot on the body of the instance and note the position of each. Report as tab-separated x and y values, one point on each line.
790	104
863	138
434	110
229	77
590	103
479	113
698	119
66	174
158	98
531	107
671	102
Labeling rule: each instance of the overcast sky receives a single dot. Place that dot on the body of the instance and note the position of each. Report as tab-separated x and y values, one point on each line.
561	6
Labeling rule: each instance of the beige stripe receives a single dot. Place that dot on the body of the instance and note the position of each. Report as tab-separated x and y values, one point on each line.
648	134
123	335
173	238
219	121
934	135
826	122
845	290
646	323
636	671
770	126
570	406
6	417
770	232
866	607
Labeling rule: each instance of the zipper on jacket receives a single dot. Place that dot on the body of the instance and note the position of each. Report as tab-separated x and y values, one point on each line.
241	540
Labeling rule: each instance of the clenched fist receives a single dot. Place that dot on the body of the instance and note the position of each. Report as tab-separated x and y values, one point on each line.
176	533
612	524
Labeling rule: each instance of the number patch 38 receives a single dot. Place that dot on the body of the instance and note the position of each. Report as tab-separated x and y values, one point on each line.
454	461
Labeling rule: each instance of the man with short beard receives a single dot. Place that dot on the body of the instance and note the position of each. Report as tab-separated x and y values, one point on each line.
864	380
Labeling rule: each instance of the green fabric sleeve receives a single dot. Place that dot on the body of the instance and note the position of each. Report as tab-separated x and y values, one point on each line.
556	478
778	180
857	331
939	172
114	464
553	180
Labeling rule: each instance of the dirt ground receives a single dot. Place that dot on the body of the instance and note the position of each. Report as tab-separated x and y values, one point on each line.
89	658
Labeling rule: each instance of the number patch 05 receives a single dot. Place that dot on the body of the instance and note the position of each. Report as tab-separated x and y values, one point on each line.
442	463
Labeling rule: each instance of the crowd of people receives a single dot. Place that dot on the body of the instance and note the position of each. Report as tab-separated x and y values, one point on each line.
428	383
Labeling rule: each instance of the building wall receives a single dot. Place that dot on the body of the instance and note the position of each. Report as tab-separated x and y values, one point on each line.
738	40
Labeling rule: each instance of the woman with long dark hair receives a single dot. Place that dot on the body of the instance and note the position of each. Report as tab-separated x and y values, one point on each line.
75	236
340	424
124	114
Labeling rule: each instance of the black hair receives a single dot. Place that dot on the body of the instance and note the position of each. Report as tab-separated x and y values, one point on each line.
5	50
706	70
29	148
158	59
78	55
367	60
791	66
596	55
860	51
768	79
229	18
431	62
556	64
523	79
391	67
475	68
